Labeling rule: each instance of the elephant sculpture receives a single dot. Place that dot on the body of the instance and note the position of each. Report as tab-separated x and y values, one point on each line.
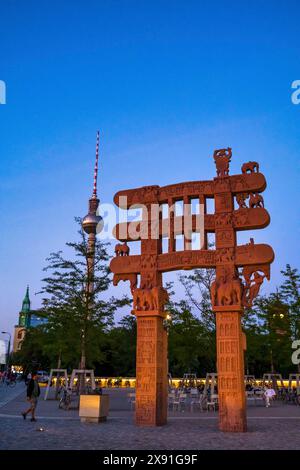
225	292
149	299
160	297
250	167
122	249
142	299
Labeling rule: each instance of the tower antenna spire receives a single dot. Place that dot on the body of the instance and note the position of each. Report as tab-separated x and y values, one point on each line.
96	166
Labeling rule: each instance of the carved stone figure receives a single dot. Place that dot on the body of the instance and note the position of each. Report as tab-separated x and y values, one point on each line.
126	277
250	167
241	200
222	159
149	299
226	292
225	255
122	249
256	200
223	219
240	217
160	297
252	288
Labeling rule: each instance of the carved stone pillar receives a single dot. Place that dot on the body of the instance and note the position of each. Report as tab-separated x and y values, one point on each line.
230	368
228	308
151	369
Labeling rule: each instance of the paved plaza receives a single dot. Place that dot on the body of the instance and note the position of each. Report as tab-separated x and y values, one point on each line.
277	427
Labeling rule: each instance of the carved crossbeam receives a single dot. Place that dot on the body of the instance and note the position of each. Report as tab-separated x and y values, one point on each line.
249	183
245	255
242	219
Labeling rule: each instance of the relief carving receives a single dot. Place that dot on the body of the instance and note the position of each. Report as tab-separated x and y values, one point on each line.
223	219
226	291
150	299
225	255
240	217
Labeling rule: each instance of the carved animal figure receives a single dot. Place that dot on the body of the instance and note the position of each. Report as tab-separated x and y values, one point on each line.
254	289
160	297
213	293
222	159
149	299
250	167
122	249
225	292
143	299
138	299
241	200
230	293
256	200
126	277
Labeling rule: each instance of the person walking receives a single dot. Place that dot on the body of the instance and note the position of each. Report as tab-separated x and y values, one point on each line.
269	395
33	392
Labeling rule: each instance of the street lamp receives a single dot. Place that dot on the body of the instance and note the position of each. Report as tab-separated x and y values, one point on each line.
167	324
8	349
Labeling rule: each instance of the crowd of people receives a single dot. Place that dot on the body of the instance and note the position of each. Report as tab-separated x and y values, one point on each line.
8	377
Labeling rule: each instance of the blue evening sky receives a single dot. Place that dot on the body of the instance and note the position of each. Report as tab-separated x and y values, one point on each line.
166	82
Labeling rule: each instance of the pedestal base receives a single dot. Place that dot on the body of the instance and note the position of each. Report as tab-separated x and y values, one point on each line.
93	408
101	419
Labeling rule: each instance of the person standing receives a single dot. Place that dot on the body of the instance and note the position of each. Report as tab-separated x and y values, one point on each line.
33	392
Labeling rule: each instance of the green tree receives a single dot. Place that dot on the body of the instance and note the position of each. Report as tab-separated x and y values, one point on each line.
120	348
197	290
290	292
275	329
191	346
78	317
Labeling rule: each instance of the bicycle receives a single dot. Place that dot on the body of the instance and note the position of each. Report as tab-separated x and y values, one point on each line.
65	400
8	382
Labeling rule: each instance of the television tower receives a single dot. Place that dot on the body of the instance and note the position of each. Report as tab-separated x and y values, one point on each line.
92	223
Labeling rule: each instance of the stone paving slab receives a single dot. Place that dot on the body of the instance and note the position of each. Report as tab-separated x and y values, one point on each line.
8	394
276	427
122	434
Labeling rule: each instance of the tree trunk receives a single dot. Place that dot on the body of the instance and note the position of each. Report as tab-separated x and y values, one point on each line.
57	379
82	365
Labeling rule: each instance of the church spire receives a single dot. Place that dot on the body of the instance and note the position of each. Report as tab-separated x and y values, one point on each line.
26	302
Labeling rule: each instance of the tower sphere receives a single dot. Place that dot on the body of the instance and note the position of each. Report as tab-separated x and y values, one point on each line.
92	223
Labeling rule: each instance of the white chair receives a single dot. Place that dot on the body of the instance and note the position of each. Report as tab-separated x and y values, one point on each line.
179	401
198	401
131	400
213	403
171	399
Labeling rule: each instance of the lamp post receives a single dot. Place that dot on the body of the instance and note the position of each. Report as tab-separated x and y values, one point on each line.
8	349
167	324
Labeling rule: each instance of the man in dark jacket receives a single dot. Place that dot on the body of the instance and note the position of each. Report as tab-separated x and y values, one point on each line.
33	392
